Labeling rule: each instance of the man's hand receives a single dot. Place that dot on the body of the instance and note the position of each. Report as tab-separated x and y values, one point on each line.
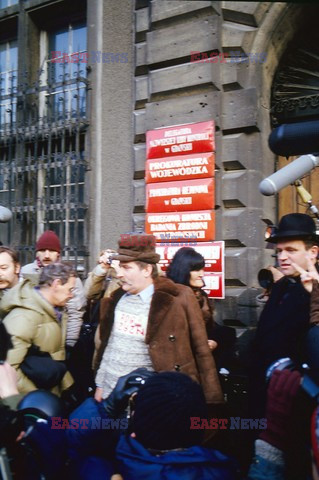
98	394
126	386
105	259
8	381
307	276
212	345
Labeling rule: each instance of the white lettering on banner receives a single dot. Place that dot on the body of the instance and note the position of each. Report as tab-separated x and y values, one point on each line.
164	192
181	139
182	201
130	324
193	217
180	217
180	131
163	218
193	226
163	226
193	189
186	162
182	148
162	141
197	136
179	172
190	234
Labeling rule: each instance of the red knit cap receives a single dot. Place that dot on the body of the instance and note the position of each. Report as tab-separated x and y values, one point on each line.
48	241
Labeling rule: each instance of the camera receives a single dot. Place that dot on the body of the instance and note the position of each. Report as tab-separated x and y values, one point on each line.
265	278
308	385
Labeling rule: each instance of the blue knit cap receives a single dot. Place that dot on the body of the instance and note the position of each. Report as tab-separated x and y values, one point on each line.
163	409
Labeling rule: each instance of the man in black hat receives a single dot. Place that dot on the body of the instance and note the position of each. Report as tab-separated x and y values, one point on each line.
284	321
152	322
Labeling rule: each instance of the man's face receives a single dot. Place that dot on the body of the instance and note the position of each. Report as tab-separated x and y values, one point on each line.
133	278
294	251
9	271
47	256
63	292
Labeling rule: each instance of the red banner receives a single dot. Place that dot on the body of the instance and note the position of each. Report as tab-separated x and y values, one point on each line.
180	196
213	252
181	140
182	228
214	285
187	167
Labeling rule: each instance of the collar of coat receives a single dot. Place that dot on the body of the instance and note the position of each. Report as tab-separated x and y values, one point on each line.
165	291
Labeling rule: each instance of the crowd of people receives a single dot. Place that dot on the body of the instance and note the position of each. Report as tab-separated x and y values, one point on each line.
157	407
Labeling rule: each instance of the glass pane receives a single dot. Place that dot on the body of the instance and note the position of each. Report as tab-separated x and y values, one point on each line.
13	56
7	3
3	57
79	38
58	41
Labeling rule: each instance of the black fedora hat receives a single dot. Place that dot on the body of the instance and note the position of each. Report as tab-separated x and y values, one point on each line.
295	225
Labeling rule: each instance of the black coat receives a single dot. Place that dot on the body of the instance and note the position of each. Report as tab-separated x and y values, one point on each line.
281	332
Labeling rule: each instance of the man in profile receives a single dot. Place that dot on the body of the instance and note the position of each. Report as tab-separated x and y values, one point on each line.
34	317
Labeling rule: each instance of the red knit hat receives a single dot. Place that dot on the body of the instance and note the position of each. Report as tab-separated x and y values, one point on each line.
48	241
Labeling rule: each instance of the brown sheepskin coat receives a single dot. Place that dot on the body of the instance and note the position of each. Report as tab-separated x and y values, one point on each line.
176	335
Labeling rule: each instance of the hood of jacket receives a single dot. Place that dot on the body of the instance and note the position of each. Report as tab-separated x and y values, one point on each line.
192	463
24	295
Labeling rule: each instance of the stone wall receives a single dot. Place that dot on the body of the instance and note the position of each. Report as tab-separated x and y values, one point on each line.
170	90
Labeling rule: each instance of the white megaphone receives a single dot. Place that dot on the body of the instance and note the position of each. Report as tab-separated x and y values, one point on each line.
5	214
288	174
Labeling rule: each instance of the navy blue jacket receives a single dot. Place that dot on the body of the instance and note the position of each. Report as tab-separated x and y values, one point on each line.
194	463
92	447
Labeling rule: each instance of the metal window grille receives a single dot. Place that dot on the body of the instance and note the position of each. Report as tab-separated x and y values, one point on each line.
43	158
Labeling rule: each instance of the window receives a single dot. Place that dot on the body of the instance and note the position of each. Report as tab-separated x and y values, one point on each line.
43	127
8	83
66	72
7	3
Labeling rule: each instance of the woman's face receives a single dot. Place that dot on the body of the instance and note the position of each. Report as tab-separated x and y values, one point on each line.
196	278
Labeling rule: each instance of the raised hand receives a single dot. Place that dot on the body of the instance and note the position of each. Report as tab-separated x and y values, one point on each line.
307	276
105	258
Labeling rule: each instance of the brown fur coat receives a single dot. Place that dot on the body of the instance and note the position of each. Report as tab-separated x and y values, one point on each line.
176	335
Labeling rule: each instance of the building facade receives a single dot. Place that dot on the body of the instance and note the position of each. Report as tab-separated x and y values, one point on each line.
82	82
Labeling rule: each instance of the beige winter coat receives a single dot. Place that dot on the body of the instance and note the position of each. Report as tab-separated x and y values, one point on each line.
30	319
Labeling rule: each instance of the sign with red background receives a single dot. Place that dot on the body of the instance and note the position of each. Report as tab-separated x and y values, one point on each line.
185	227
186	167
180	196
181	140
213	253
